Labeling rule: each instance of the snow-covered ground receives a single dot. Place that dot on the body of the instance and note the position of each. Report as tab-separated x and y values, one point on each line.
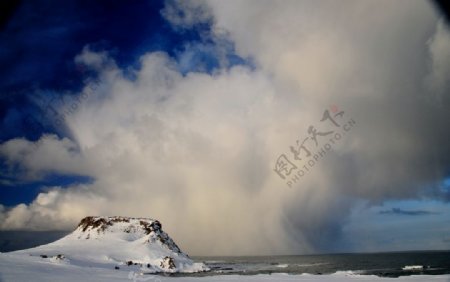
19	268
107	246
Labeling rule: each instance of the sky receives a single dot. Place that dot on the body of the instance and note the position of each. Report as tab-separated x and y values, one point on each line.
245	127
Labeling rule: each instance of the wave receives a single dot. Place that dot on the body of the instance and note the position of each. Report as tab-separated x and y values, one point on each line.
312	264
413	267
349	273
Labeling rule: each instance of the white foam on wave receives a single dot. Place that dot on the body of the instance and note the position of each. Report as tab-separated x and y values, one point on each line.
413	267
347	273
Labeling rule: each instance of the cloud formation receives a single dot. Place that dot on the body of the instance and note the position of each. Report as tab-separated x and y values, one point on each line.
407	212
197	150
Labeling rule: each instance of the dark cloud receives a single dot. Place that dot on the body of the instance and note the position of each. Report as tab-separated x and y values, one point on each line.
444	8
407	212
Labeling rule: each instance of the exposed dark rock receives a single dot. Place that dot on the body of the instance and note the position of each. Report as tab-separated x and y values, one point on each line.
93	222
120	219
168	263
149	227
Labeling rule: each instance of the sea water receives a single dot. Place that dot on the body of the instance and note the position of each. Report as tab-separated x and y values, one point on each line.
382	264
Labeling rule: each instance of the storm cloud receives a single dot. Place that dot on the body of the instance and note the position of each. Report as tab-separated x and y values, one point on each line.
197	150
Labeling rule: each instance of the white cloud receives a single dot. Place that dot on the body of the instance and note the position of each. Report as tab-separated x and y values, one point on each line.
94	60
197	151
186	14
49	154
56	209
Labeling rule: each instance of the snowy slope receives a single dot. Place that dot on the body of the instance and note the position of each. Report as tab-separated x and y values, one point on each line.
117	243
15	268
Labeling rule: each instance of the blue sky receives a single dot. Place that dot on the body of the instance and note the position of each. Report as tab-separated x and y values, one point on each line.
180	110
39	44
40	41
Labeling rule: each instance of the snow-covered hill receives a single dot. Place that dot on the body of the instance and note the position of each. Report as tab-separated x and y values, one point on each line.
117	243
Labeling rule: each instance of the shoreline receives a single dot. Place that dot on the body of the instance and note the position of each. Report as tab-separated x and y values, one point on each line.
364	273
19	267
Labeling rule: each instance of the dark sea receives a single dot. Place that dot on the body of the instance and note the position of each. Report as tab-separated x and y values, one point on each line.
381	264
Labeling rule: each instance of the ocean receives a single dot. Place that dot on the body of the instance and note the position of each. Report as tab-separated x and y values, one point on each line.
393	264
